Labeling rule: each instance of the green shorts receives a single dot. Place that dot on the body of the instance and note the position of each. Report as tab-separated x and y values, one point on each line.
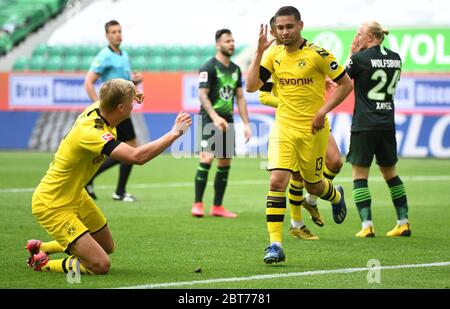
221	144
366	144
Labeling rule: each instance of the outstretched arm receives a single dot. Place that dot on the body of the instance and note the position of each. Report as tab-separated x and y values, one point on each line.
142	154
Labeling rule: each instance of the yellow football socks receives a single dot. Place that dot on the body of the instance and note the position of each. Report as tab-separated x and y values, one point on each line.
275	210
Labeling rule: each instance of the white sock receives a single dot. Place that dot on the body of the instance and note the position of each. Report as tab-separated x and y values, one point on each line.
297	224
311	199
276	243
366	224
402	221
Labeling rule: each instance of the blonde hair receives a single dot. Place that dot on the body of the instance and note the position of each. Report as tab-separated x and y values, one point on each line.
116	91
376	29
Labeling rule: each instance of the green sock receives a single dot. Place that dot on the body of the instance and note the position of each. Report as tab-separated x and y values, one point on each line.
220	184
361	196
201	178
398	195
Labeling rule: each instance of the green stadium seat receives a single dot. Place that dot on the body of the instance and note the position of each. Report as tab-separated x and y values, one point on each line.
157	51
207	51
90	51
20	17
37	63
5	43
72	50
173	63
53	6
138	63
138	51
14	24
174	51
36	14
54	63
70	64
191	63
56	50
21	64
85	63
40	50
190	50
155	63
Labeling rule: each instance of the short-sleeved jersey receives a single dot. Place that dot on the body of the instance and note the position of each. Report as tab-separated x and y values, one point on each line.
109	64
376	72
77	159
222	82
300	81
268	92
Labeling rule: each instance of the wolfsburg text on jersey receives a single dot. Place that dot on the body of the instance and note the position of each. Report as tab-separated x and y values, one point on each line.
386	63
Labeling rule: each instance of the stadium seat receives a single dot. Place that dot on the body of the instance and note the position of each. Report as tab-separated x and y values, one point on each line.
85	63
70	64
20	17
5	43
191	63
155	63
21	64
173	63
138	63
40	50
138	51
54	63
90	50
37	63
157	51
53	6
207	51
72	50
57	50
190	50
174	51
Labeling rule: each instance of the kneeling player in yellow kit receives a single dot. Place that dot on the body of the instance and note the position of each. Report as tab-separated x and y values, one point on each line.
60	203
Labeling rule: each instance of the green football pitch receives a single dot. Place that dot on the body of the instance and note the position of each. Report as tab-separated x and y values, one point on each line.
160	245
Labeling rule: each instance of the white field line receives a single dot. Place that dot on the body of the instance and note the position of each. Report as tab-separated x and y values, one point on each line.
236	183
285	275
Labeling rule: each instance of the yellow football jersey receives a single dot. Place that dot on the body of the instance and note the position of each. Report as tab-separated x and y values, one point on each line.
77	159
300	82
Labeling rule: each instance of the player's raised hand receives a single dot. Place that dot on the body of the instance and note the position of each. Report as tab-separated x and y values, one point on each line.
182	123
136	77
139	97
355	46
263	42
